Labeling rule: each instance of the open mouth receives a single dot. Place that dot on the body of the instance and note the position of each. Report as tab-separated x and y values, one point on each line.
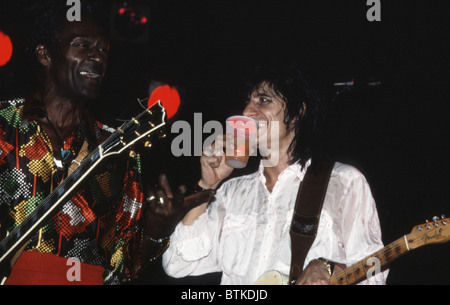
91	75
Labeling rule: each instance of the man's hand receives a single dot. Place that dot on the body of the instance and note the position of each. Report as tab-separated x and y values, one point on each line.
214	169
316	273
165	209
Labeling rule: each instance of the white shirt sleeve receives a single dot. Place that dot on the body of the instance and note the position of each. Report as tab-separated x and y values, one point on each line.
361	232
350	229
193	249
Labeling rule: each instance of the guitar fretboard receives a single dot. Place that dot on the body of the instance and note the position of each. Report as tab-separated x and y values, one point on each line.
368	266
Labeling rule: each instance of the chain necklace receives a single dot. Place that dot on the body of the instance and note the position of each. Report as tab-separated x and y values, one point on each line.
65	153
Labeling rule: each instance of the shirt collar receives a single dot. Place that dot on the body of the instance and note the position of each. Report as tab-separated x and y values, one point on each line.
295	168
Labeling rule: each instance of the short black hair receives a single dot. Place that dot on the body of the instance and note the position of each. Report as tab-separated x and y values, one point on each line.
47	17
45	20
304	112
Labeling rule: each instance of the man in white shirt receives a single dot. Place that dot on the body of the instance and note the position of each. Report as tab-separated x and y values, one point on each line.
244	231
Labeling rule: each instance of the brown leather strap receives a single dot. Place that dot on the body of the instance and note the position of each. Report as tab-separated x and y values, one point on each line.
308	207
77	161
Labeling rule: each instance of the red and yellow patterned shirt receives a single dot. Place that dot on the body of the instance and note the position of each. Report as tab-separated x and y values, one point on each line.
100	224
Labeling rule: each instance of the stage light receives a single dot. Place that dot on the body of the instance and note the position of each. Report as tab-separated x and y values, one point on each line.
169	97
130	22
6	49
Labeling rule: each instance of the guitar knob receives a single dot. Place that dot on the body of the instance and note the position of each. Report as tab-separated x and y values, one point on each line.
133	154
148	144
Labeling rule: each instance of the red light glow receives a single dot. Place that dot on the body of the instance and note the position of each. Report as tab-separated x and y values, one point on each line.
169	97
6	49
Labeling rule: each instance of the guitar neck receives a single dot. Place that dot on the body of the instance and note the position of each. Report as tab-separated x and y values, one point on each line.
375	262
143	126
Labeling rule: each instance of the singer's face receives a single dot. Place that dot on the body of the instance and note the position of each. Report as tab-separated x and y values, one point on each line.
79	63
268	108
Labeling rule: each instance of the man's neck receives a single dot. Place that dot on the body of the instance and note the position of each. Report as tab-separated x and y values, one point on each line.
63	113
271	173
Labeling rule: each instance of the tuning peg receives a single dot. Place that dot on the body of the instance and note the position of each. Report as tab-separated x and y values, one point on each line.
148	144
427	224
435	218
442	216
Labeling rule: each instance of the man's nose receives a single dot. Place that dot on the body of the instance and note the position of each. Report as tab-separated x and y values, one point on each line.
95	54
250	110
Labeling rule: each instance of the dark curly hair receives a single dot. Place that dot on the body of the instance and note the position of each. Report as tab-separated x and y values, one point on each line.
305	111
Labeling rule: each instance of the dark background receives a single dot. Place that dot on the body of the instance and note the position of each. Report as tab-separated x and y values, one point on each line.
396	133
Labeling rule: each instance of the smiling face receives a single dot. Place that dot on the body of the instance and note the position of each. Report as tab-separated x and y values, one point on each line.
266	107
77	66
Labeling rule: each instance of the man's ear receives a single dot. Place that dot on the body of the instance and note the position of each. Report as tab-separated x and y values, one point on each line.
43	55
303	110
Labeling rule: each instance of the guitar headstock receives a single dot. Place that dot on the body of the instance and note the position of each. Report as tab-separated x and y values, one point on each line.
430	232
142	127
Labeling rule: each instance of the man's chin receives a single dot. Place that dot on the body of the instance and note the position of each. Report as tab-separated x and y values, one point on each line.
88	95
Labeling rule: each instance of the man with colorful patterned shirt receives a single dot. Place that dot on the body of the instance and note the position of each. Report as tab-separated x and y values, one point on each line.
112	225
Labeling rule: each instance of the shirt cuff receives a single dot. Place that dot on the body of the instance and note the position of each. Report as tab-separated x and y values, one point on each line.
192	242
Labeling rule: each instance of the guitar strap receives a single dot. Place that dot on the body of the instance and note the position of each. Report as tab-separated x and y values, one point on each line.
308	206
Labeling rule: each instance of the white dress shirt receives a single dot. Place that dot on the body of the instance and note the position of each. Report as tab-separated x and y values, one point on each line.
245	231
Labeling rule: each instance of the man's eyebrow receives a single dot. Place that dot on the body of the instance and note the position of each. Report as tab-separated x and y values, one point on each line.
262	94
88	36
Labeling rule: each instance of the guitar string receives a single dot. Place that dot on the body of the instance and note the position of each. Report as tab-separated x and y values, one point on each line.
43	207
344	274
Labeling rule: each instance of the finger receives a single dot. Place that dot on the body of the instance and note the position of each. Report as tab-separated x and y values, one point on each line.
179	196
165	186
161	199
213	161
216	147
150	196
197	199
182	189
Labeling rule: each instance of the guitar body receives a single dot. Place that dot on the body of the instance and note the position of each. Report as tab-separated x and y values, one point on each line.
273	278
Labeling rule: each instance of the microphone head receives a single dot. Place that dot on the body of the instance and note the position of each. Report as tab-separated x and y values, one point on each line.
169	97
